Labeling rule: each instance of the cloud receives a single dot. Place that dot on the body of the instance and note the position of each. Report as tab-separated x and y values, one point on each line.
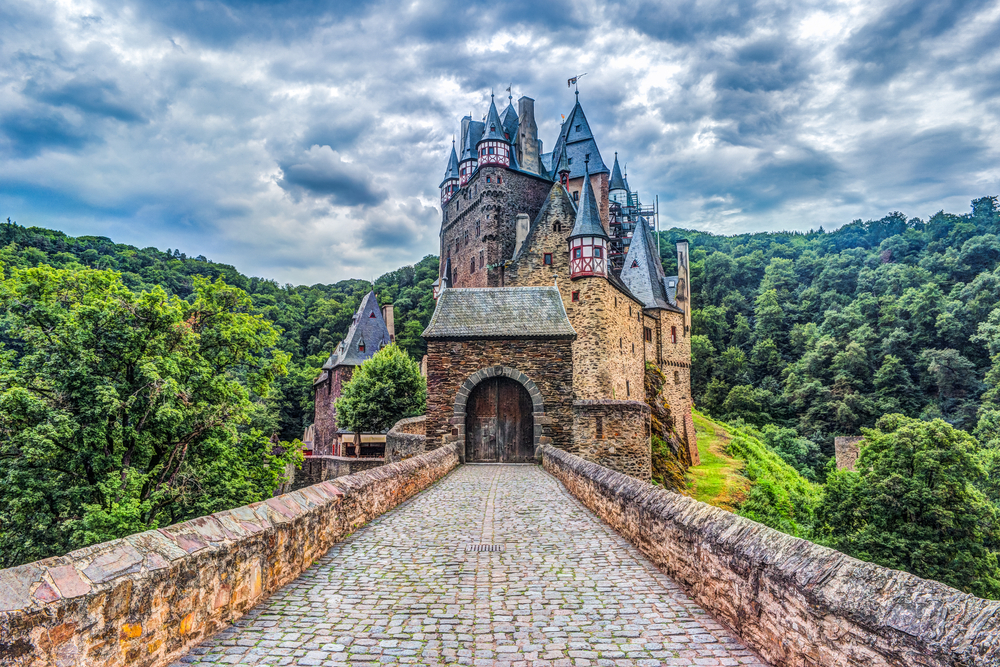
322	173
305	140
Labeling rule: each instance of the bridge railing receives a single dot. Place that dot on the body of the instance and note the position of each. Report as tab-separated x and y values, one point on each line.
148	598
797	603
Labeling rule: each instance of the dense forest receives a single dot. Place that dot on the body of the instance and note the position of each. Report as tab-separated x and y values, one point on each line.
312	320
889	327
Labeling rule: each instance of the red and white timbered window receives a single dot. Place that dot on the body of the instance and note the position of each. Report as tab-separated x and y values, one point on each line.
587	257
494	152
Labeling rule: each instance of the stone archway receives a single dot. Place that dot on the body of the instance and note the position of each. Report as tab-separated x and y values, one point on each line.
470	384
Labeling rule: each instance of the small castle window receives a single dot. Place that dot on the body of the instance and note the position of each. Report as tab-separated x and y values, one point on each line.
557	226
493	128
570	160
480	259
499	179
630	310
577	253
361	346
647	334
477	229
371	315
599	427
621	345
673	335
628	389
548	259
472	266
635	265
577	128
576	195
597	253
576	296
633	348
492	151
488	180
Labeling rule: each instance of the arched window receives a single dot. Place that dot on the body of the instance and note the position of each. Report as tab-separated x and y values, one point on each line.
557	226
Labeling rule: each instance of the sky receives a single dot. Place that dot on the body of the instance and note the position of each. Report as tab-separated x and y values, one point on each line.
305	141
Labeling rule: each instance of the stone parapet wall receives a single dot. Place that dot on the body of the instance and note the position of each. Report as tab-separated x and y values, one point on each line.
797	603
614	434
148	598
316	469
406	439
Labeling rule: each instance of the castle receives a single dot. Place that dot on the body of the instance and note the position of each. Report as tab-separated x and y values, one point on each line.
551	300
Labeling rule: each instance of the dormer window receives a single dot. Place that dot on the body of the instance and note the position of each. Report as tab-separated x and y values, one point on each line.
577	128
635	265
493	128
371	315
670	283
361	346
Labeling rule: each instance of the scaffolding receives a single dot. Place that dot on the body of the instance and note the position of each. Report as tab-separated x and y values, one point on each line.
623	218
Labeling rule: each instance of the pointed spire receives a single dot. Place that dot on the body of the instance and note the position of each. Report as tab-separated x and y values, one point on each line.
563	166
588	219
451	173
642	271
493	129
617	182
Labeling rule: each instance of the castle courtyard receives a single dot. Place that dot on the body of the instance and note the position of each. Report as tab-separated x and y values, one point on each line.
410	588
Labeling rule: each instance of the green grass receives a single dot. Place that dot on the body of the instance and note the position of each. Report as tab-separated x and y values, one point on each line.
739	473
717	479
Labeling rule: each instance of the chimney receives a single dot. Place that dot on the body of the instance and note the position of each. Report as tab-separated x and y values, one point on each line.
684	284
527	136
521	231
387	316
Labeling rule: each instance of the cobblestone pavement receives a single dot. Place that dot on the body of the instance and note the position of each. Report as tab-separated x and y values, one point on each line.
567	590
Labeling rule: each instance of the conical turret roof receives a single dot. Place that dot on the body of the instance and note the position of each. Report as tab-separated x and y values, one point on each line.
451	173
588	219
493	127
617	182
563	163
642	272
472	135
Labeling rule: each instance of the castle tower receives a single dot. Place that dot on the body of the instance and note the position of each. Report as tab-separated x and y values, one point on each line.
527	136
494	146
563	170
588	243
468	161
449	186
618	191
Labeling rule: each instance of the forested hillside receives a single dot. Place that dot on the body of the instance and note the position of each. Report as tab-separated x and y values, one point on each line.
312	319
826	332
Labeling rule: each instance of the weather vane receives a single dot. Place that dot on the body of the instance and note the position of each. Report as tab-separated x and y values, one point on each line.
575	82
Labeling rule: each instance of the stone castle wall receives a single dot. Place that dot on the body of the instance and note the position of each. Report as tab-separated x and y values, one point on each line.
676	366
407	438
325	422
316	469
614	434
548	363
797	603
145	600
494	207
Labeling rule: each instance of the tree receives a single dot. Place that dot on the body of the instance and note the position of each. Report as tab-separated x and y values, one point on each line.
383	389
913	505
121	412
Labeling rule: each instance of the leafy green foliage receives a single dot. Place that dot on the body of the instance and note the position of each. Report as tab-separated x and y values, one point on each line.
913	504
312	320
384	389
122	411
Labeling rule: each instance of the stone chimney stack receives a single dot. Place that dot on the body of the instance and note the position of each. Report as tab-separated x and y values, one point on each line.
387	316
684	284
527	136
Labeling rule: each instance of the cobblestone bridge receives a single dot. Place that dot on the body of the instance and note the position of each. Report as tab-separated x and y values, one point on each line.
407	589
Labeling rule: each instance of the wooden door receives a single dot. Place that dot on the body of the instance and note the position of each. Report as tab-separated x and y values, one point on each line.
498	423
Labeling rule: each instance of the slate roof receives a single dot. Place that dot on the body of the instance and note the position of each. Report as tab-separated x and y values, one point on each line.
472	134
588	219
642	271
493	129
452	171
510	120
617	182
500	312
368	328
578	144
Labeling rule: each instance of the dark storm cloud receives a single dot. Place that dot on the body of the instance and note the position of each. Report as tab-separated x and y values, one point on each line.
894	39
321	172
307	139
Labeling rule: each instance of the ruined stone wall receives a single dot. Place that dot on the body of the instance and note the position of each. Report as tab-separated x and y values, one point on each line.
797	603
614	434
494	207
407	438
846	449
145	600
316	469
547	363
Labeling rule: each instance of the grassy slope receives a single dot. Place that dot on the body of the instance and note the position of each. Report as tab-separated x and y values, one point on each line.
740	473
